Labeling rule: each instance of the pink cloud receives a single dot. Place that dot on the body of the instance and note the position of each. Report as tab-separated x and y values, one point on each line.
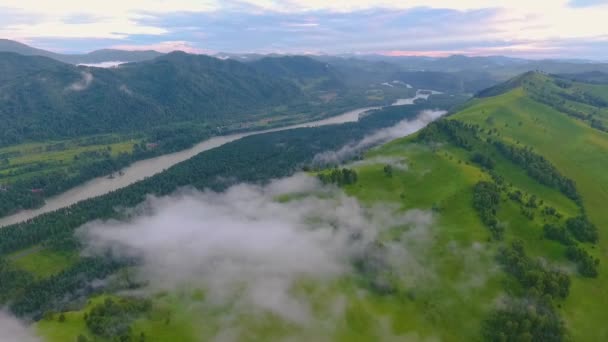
167	46
529	50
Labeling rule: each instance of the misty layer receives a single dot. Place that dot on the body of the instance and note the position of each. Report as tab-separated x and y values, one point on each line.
84	83
13	330
255	241
401	129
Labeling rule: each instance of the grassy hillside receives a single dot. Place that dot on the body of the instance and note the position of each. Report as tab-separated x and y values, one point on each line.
580	153
447	161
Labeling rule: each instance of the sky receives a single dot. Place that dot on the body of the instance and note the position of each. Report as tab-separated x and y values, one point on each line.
520	28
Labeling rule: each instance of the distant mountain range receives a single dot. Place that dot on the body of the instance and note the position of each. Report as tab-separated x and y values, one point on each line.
97	56
501	67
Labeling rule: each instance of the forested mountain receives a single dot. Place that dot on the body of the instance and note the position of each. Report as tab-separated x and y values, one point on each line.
73	101
305	71
459	82
501	66
597	77
14	65
447	64
359	72
96	56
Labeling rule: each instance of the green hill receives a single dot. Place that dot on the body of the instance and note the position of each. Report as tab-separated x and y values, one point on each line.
305	71
13	65
58	100
519	175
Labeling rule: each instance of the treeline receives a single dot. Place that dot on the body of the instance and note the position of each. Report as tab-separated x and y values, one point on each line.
533	316
257	158
112	319
540	169
459	133
486	201
576	228
39	296
338	176
558	102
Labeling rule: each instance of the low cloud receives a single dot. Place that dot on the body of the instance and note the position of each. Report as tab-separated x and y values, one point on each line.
401	129
165	46
108	64
398	163
13	330
84	83
254	243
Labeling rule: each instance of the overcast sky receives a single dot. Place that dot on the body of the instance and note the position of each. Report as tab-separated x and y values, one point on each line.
523	28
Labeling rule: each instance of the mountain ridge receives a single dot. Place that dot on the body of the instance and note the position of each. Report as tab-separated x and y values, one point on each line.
96	56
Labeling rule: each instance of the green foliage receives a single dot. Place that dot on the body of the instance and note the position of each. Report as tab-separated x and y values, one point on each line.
12	281
113	318
525	320
539	168
538	281
486	201
455	132
483	160
340	177
582	229
587	265
388	170
36	297
557	233
533	317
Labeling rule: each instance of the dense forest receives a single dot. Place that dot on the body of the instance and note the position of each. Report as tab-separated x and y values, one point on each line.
76	101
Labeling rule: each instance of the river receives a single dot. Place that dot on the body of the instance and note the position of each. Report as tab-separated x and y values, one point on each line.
149	167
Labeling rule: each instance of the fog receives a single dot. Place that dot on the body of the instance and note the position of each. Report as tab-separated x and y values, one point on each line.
249	245
13	330
401	129
108	64
84	83
398	163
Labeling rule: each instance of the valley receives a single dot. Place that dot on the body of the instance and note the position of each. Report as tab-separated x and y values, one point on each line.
183	197
149	167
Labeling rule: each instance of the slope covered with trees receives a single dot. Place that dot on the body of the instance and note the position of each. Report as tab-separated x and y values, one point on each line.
74	101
